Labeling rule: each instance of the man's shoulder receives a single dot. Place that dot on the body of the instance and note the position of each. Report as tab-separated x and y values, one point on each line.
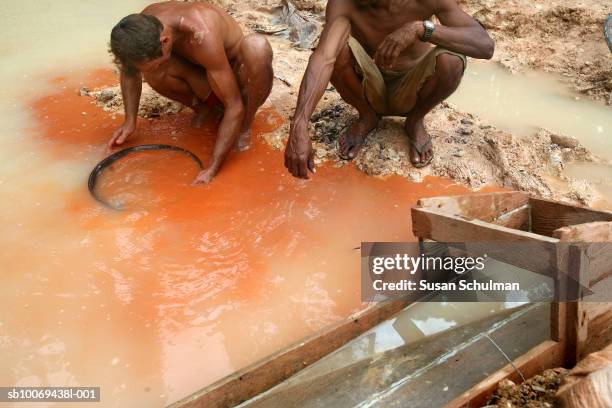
437	5
340	5
339	8
202	19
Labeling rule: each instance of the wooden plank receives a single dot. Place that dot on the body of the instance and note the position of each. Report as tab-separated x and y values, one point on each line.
265	374
588	263
353	380
600	231
429	224
599	316
538	253
548	354
509	209
600	262
519	219
547	216
558	319
600	325
598	237
577	319
469	365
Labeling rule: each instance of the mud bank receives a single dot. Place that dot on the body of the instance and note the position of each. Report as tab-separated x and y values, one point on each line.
551	36
468	149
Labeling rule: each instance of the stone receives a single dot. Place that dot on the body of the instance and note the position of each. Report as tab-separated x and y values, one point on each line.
564	141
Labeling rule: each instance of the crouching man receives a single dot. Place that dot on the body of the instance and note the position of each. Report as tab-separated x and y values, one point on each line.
385	58
186	52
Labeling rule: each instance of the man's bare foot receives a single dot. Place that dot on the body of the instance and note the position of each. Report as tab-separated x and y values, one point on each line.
244	141
352	139
421	147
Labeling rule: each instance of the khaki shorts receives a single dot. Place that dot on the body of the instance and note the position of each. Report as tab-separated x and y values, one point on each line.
395	92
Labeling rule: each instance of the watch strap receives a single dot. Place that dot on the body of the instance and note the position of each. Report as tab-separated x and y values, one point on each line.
428	32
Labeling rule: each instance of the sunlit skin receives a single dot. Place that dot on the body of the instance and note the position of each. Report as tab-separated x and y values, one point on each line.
203	50
390	31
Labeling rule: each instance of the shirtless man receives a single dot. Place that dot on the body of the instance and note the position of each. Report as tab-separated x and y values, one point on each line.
378	54
186	51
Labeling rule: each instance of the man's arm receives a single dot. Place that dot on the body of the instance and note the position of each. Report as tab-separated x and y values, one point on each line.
460	32
298	152
131	88
211	55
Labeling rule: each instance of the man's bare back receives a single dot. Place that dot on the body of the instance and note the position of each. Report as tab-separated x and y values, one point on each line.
198	22
378	54
186	51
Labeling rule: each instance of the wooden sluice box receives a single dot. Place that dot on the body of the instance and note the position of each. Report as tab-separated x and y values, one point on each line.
557	239
554	232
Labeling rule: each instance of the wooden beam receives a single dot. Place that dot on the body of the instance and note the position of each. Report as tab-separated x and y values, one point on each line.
265	374
600	326
577	319
589	261
559	246
558	320
600	231
548	354
537	253
510	209
547	216
597	237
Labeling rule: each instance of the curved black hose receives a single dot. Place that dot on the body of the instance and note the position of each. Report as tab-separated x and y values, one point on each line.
93	177
608	31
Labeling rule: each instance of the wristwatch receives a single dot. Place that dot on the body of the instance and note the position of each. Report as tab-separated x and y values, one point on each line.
429	29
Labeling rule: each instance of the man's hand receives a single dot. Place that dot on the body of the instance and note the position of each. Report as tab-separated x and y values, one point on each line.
205	176
396	42
121	134
299	156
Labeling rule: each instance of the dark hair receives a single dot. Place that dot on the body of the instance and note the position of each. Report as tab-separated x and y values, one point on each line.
136	39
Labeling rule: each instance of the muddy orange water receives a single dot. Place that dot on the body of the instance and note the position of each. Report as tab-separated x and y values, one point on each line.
190	283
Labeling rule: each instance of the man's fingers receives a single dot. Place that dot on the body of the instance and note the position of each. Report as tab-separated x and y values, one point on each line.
389	52
121	138
394	52
302	169
118	138
311	164
111	142
380	53
293	168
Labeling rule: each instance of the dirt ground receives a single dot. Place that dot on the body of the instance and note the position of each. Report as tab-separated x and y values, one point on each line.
545	36
537	392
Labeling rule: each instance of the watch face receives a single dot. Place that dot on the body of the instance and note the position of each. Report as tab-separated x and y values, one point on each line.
429	25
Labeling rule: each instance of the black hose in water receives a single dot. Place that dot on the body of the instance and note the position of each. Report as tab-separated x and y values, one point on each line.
93	177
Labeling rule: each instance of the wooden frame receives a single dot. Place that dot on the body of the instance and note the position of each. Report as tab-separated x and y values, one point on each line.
558	235
265	374
494	217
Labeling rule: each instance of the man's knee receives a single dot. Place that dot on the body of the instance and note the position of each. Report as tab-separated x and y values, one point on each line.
256	47
344	62
449	71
